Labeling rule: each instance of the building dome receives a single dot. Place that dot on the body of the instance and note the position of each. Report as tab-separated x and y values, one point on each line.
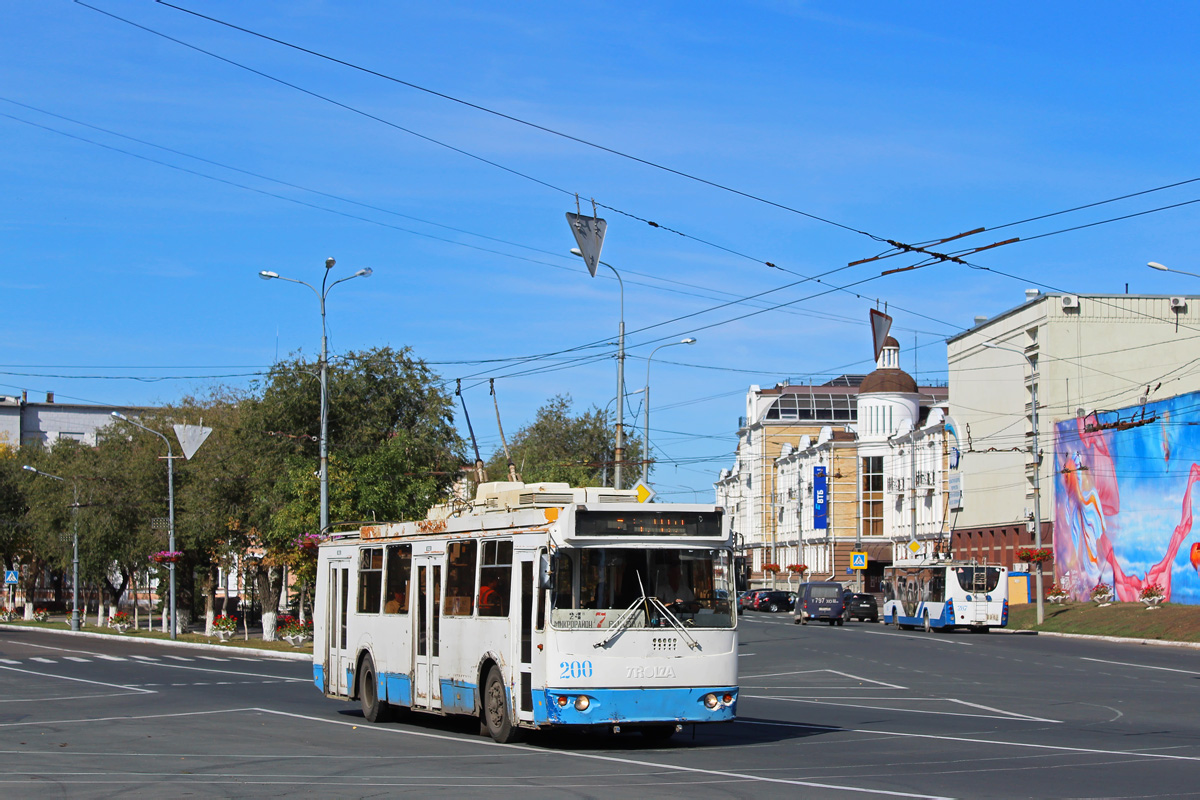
888	377
895	381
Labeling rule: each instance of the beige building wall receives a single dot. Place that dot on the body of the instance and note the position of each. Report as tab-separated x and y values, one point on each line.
1089	352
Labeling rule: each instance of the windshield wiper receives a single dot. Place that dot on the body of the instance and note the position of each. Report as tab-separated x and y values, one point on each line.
644	604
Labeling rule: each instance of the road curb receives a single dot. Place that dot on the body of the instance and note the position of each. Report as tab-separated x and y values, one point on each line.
1121	639
216	648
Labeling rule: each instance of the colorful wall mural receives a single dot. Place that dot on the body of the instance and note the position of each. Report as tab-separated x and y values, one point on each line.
1123	501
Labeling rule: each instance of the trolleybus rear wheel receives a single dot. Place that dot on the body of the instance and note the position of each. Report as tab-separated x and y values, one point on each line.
374	709
495	709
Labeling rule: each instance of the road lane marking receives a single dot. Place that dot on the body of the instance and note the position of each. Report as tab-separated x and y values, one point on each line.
921	638
8	661
79	680
1142	666
110	658
274	678
1010	715
833	671
744	776
146	658
41	660
77	659
213	658
179	658
969	740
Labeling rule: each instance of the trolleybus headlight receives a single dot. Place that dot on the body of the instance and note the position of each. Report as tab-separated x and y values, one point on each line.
582	703
711	700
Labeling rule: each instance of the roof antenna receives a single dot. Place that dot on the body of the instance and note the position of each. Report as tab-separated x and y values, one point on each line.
480	472
512	468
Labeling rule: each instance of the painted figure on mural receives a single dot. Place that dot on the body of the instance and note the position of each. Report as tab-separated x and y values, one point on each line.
1140	459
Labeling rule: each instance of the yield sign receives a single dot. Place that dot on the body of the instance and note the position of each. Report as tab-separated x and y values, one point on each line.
191	437
644	493
881	323
589	234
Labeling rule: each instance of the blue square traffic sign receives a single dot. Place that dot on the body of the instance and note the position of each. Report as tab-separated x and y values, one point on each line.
10	577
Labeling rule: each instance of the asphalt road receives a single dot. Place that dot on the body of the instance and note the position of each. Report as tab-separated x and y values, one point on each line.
841	712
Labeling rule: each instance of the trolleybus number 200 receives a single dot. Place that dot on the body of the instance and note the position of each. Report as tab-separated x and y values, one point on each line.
575	669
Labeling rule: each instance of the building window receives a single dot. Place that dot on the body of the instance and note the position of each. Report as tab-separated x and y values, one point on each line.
872	496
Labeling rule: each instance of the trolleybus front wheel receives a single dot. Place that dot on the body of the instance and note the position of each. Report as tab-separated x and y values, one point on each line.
495	710
374	709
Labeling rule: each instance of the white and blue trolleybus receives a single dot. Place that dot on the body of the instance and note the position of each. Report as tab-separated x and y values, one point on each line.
944	595
538	606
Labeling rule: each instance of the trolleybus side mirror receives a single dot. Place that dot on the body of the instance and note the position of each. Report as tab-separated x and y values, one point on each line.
545	572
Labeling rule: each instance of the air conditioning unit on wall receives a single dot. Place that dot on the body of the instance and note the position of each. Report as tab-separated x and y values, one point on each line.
1179	304
1070	301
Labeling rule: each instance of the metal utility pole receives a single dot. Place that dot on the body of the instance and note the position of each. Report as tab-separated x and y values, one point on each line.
619	450
267	275
646	400
1037	476
170	511
74	544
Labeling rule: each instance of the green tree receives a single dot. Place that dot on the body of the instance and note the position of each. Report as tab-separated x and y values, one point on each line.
394	451
563	447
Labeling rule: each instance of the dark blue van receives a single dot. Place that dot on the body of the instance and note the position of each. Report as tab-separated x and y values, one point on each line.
824	600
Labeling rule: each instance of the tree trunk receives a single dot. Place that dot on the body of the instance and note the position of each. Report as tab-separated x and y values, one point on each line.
29	582
209	586
270	585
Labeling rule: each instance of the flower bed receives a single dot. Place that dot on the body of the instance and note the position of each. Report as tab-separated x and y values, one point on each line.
41	615
294	631
7	614
1034	555
121	621
1102	593
224	626
1152	594
1057	594
166	557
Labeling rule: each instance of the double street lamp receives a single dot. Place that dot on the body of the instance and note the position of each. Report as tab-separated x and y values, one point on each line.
74	544
170	512
322	294
646	400
619	450
1037	476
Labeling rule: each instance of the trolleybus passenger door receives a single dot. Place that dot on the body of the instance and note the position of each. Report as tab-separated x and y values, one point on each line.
337	660
427	689
524	621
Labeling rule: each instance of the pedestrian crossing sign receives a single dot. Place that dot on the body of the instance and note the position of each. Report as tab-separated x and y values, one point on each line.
858	561
10	577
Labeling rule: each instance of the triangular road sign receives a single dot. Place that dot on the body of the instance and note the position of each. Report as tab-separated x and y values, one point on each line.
881	323
190	438
589	234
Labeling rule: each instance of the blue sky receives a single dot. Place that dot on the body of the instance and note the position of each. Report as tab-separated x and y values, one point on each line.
908	121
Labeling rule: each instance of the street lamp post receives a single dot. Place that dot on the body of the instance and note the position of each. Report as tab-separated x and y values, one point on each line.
267	275
74	544
619	450
1037	477
646	400
170	511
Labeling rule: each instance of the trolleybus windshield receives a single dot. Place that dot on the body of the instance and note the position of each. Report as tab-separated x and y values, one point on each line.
594	587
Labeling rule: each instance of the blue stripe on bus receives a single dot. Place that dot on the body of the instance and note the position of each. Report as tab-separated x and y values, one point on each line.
397	689
607	706
458	697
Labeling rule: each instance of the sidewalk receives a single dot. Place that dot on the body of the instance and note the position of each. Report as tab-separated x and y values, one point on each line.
300	654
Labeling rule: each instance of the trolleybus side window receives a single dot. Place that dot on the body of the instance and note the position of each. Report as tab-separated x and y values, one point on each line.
495	578
399	570
370	580
460	578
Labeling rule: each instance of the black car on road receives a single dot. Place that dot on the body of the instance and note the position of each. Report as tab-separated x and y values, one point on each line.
863	607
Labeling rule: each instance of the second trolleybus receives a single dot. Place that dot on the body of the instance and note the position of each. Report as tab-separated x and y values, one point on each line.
943	595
